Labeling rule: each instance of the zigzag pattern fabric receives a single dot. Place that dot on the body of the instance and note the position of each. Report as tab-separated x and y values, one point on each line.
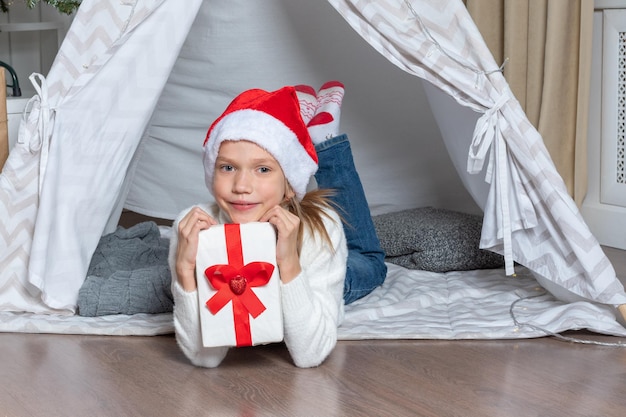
65	177
529	216
56	207
19	201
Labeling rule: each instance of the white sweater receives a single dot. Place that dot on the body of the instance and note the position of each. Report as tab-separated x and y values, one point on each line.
312	302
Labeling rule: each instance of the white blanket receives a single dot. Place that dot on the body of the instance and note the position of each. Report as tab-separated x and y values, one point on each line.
468	305
410	305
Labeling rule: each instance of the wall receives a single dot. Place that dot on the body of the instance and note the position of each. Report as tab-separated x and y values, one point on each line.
606	220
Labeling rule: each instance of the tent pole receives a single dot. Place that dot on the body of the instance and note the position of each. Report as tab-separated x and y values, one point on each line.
622	309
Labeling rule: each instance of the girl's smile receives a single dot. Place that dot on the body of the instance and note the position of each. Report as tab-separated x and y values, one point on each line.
242	205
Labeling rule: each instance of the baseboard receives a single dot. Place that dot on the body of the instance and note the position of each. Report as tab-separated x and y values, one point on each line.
607	223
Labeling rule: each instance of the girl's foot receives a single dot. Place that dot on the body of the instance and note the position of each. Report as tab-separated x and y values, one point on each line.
325	122
308	101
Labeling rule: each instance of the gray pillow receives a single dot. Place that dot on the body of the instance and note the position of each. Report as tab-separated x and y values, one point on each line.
436	240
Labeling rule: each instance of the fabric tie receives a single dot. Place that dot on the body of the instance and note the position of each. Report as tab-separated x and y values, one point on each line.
45	122
488	132
487	128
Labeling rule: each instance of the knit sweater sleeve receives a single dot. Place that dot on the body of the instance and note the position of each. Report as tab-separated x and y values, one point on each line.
312	302
187	314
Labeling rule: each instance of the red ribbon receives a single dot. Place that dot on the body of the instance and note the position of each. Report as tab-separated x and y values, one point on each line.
233	282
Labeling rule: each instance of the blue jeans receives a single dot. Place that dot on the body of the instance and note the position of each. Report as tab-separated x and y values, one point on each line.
366	267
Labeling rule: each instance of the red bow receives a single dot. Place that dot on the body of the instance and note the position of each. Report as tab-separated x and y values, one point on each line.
233	282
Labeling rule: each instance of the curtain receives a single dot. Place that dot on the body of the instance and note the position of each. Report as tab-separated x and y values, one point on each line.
4	133
548	47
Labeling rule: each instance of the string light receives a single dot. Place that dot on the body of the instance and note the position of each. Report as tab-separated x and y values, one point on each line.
553	334
479	73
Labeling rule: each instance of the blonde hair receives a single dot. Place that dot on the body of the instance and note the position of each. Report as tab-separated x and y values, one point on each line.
311	211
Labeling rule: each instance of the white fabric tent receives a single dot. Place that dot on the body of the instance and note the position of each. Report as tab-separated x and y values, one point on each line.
125	68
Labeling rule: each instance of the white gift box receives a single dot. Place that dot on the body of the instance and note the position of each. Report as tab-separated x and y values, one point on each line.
238	285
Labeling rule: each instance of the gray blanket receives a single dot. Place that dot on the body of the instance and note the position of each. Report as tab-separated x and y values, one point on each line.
128	274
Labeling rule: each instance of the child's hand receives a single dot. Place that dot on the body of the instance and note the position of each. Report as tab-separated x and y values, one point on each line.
189	228
287	257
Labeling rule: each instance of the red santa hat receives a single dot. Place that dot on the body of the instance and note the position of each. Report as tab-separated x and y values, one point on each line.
271	120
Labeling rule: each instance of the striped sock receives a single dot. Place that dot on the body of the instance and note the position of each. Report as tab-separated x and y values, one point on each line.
325	122
308	101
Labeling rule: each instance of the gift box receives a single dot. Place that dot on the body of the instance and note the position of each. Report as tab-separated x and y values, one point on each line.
238	285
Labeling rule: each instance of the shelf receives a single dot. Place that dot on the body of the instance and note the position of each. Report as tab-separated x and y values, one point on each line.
35	26
59	27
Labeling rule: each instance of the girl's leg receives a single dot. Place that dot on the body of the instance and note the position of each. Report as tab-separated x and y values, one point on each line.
366	267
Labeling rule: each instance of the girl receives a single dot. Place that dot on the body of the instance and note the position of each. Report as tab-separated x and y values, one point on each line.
258	160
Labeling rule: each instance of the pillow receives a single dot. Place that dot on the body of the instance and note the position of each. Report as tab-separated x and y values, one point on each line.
436	240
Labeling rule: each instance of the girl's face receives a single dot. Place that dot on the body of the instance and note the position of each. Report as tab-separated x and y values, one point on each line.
248	181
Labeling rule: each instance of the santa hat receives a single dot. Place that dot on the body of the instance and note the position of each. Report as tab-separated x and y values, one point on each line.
271	120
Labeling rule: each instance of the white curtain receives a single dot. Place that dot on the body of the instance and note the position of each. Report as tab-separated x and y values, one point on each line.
528	216
88	118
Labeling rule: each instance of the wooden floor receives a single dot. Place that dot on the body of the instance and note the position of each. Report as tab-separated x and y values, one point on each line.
58	375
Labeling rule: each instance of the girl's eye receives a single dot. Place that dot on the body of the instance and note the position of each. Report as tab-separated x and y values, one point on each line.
264	170
226	168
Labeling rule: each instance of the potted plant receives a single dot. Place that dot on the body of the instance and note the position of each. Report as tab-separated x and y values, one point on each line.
63	6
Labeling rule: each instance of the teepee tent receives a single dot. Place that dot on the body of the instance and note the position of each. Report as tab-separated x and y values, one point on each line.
105	132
